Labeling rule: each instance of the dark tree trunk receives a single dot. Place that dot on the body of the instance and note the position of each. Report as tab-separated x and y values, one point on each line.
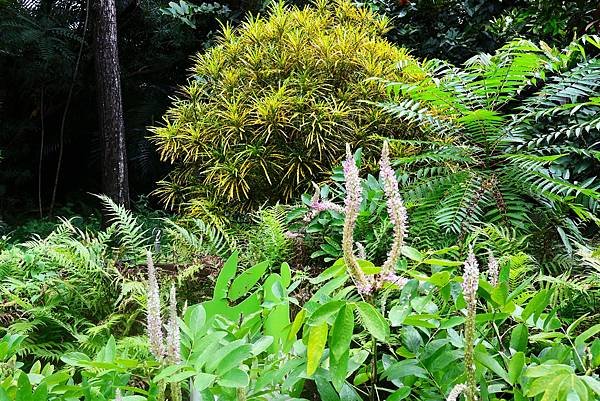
115	182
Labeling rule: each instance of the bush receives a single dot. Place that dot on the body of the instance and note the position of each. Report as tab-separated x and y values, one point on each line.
270	108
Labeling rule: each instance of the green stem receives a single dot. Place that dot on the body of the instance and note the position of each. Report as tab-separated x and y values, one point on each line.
373	369
471	391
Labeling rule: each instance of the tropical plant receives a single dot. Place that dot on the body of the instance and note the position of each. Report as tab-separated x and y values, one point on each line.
511	342
512	140
55	289
270	107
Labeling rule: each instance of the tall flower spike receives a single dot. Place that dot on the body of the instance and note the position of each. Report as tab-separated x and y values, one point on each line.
470	278
352	208
154	321
469	286
173	336
493	270
455	392
396	211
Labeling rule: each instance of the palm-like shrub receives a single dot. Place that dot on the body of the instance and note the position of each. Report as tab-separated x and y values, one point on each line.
271	107
508	135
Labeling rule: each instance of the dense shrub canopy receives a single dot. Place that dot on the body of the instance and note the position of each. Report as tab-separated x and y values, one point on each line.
270	108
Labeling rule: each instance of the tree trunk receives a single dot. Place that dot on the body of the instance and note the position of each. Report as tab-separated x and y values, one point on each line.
115	182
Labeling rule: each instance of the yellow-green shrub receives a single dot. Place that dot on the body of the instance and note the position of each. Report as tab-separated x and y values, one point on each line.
271	107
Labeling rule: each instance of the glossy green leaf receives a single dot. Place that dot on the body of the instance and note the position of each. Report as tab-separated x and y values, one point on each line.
235	378
536	305
515	367
373	321
325	312
342	331
412	253
317	338
583	337
488	361
246	280
225	276
399	394
203	381
519	338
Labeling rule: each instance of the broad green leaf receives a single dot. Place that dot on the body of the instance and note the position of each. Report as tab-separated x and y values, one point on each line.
519	338
398	313
515	367
592	331
338	268
399	394
286	274
234	358
341	332
227	273
23	388
246	280
203	380
295	327
443	262
324	312
406	367
439	279
372	320
40	393
412	253
452	322
261	345
326	390
422	320
592	383
195	318
74	358
216	356
180	376
317	338
167	372
236	378
338	368
488	361
548	369
536	305
368	267
552	387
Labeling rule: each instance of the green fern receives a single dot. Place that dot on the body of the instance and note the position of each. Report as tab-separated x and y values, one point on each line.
505	130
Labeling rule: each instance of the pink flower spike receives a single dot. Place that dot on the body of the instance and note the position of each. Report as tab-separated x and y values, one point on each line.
352	208
395	208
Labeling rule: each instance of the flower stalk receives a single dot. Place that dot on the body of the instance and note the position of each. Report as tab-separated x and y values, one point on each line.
493	270
470	285
154	321
351	209
456	391
395	208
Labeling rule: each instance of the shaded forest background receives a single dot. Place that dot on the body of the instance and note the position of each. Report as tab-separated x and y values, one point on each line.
48	88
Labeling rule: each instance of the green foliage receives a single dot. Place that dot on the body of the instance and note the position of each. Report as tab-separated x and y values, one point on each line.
505	143
271	106
55	289
456	30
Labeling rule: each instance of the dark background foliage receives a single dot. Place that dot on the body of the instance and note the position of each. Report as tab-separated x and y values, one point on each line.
40	42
